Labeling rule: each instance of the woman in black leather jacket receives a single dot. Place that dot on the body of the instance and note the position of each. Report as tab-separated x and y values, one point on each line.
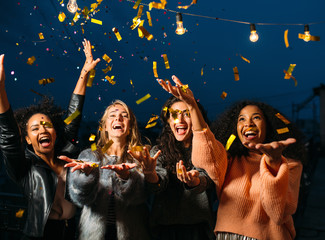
36	168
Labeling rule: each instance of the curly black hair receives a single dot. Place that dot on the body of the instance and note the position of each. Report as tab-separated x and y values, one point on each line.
173	150
44	106
226	124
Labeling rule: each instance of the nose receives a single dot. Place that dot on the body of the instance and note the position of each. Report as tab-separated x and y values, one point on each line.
248	123
43	128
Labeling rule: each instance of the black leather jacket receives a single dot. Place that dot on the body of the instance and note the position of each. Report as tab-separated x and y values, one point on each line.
36	178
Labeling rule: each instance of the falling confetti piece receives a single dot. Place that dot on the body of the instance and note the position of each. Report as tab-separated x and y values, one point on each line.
69	119
45	81
136	23
107	58
110	79
76	17
99	22
150	125
61	17
91	77
93	147
286	38
166	61
202	71
230	141
107	146
117	34
143	98
223	95
187	6
149	19
154	67
41	36
282	118
31	60
137	4
140	11
282	130
144	31
308	38
289	71
20	213
236	73
109	68
160	5
92	137
245	59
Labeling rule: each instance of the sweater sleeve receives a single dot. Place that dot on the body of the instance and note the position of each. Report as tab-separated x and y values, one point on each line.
279	194
210	155
83	188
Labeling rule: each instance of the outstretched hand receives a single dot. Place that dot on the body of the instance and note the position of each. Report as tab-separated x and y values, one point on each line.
90	63
180	90
273	150
83	166
122	170
147	162
191	178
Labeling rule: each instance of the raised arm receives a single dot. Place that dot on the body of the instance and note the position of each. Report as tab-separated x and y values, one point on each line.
4	103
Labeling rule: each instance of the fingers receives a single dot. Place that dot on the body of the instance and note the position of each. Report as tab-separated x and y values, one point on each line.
2	56
177	81
67	159
157	155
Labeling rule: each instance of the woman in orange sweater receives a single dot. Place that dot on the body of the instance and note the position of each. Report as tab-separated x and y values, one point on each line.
258	185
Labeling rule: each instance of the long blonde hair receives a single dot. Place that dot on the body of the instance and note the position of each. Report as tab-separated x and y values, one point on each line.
133	139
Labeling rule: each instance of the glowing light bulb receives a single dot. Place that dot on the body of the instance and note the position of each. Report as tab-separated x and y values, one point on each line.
307	36
254	36
179	22
72	6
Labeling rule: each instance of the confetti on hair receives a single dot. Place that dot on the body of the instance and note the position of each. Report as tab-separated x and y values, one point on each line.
20	213
223	95
46	124
282	118
107	146
154	68
45	81
149	19
117	34
31	60
282	130
166	61
69	119
230	141
91	77
106	58
41	36
286	42
137	4
92	137
99	22
61	16
236	73
245	59
143	98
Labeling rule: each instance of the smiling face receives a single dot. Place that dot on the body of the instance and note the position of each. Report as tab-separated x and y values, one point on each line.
180	123
41	134
117	123
251	125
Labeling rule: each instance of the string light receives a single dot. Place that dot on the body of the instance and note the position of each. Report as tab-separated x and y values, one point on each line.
307	34
179	22
254	36
72	6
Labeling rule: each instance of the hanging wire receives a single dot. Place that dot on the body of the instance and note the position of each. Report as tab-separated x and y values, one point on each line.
231	20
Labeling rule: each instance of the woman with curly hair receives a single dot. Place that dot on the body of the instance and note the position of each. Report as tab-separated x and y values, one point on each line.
36	168
106	182
182	201
258	182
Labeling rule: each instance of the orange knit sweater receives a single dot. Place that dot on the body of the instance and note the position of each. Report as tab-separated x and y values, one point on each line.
252	202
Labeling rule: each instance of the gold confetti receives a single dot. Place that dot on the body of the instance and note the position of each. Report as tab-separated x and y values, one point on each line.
107	146
143	98
110	79
20	213
149	19
202	71
137	149
91	77
150	125
223	95
286	38
45	81
41	36
184	87
282	130
109	68
144	31
289	71
179	171
236	73
31	60
140	11
69	119
136	4
46	124
99	22
160	5
117	34
76	17
61	17
230	141
92	137
153	118
93	147
136	22
245	59
94	165
107	58
154	67
282	118
308	38
166	61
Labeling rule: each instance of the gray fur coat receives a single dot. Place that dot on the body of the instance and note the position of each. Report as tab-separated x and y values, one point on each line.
92	194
